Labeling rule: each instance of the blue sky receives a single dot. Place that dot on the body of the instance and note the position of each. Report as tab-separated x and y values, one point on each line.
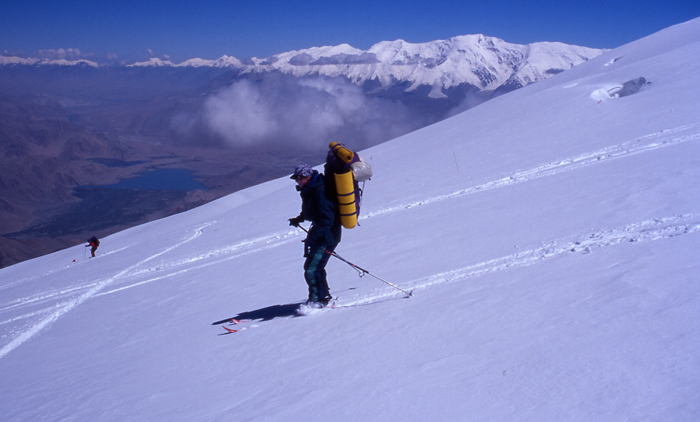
134	30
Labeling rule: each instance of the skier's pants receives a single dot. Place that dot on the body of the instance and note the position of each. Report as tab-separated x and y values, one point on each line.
315	271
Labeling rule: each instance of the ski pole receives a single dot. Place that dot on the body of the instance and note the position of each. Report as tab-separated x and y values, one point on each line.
362	271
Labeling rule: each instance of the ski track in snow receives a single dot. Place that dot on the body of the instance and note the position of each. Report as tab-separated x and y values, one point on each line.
648	143
62	308
656	229
37	276
66	299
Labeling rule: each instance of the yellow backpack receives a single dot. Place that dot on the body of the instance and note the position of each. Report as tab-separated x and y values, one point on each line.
347	168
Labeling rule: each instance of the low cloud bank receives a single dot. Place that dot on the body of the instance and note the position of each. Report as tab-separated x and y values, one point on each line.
298	113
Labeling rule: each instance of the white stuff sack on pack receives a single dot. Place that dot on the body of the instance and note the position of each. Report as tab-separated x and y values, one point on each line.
361	170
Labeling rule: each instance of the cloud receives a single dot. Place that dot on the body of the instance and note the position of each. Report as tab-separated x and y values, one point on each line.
306	113
64	54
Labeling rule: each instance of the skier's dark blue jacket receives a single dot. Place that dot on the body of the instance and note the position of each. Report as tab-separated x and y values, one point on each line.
321	211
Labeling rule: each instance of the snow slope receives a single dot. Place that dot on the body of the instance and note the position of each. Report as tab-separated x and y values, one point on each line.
550	236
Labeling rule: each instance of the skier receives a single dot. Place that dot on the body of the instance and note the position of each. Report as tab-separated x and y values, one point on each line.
93	243
324	234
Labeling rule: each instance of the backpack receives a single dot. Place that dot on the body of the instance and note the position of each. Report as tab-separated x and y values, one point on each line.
344	170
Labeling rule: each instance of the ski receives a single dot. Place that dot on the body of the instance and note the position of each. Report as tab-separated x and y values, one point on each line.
254	319
231	321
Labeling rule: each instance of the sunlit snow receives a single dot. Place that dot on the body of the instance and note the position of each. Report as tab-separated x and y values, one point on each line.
550	237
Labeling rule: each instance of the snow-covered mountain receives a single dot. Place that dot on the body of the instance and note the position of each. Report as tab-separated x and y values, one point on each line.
222	62
23	61
549	235
485	63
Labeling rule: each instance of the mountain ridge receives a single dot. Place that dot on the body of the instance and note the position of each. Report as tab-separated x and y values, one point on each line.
477	60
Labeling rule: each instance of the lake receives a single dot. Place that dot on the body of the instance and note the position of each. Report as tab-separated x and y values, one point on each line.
129	202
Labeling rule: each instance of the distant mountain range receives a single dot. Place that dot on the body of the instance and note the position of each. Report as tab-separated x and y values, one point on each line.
482	62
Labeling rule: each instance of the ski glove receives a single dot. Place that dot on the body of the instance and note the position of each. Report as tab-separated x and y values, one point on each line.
296	221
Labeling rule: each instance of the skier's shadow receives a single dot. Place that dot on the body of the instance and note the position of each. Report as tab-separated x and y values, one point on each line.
266	314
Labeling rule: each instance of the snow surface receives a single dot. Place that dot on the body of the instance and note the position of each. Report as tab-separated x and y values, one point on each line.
550	237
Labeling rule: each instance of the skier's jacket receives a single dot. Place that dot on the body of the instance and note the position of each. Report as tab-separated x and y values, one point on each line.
322	211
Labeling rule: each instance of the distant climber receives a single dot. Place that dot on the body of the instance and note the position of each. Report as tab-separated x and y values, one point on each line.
93	243
324	234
